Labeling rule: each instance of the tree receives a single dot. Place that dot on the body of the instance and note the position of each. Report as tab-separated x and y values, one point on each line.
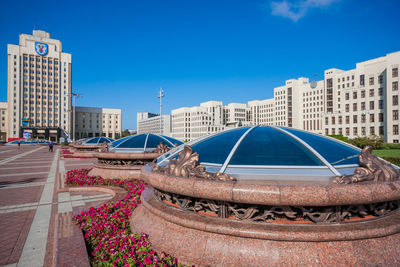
125	133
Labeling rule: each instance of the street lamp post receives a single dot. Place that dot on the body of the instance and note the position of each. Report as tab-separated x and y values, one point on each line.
160	96
74	95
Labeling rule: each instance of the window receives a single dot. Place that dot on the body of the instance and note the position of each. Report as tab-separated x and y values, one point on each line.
347	131
354	106
333	120
395	72
395	115
371	117
380	91
395	86
354	130
380	79
354	118
363	131
340	119
371	80
371	92
347	107
354	95
381	132
395	100
371	105
380	104
363	118
347	119
372	130
363	94
396	129
380	117
347	96
362	105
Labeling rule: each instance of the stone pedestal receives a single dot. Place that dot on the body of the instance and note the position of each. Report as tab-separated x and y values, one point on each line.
270	223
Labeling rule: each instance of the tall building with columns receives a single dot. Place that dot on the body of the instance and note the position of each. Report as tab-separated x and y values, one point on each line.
39	87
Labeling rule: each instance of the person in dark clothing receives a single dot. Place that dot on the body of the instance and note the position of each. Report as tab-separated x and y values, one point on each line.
51	146
19	144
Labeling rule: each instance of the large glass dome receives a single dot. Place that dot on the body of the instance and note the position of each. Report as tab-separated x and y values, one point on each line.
272	153
142	142
97	140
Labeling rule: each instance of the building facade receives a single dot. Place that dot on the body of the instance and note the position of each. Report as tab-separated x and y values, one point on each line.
150	123
3	121
364	101
93	122
39	87
360	102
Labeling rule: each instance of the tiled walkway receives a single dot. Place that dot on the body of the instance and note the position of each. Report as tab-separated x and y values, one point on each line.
29	203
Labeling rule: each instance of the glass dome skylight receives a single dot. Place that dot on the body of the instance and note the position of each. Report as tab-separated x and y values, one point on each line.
142	142
97	140
272	153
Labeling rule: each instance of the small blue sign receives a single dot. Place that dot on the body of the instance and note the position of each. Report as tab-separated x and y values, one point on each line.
41	48
27	135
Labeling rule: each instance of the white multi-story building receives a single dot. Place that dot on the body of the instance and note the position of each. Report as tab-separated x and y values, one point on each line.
236	114
189	123
360	102
93	122
262	112
150	123
364	101
3	121
39	87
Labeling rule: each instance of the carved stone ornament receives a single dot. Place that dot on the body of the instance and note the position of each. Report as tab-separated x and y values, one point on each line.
104	147
271	214
161	149
186	165
372	169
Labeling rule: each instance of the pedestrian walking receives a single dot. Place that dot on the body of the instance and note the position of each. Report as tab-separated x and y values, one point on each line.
19	144
51	146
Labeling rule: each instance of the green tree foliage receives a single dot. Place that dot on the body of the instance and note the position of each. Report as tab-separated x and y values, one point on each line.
374	141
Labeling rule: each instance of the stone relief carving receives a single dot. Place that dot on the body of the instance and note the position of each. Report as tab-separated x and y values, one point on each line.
161	149
372	169
271	214
186	165
104	147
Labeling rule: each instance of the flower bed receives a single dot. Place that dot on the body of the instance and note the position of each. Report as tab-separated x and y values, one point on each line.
107	231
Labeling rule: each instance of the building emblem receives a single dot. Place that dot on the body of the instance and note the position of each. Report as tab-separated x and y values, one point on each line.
41	48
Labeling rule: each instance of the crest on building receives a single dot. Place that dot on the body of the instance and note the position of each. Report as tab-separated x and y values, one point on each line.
41	48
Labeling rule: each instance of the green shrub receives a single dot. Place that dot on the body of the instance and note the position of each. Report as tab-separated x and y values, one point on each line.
340	137
65	144
392	146
375	141
395	161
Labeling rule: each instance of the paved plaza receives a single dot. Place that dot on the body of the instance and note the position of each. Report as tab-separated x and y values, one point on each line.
32	202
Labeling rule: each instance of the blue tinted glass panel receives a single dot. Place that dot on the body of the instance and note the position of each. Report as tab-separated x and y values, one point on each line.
334	152
134	142
153	141
268	146
119	141
92	141
172	140
216	149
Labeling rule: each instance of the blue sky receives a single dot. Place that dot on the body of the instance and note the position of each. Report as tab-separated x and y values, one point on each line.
228	50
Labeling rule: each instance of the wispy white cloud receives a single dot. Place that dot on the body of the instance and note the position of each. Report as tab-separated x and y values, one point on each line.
295	10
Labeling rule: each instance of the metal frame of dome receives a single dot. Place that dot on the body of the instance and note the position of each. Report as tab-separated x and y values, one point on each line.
85	142
326	171
140	149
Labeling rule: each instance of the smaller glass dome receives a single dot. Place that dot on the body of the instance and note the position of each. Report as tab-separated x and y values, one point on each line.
28	142
97	140
142	142
272	153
